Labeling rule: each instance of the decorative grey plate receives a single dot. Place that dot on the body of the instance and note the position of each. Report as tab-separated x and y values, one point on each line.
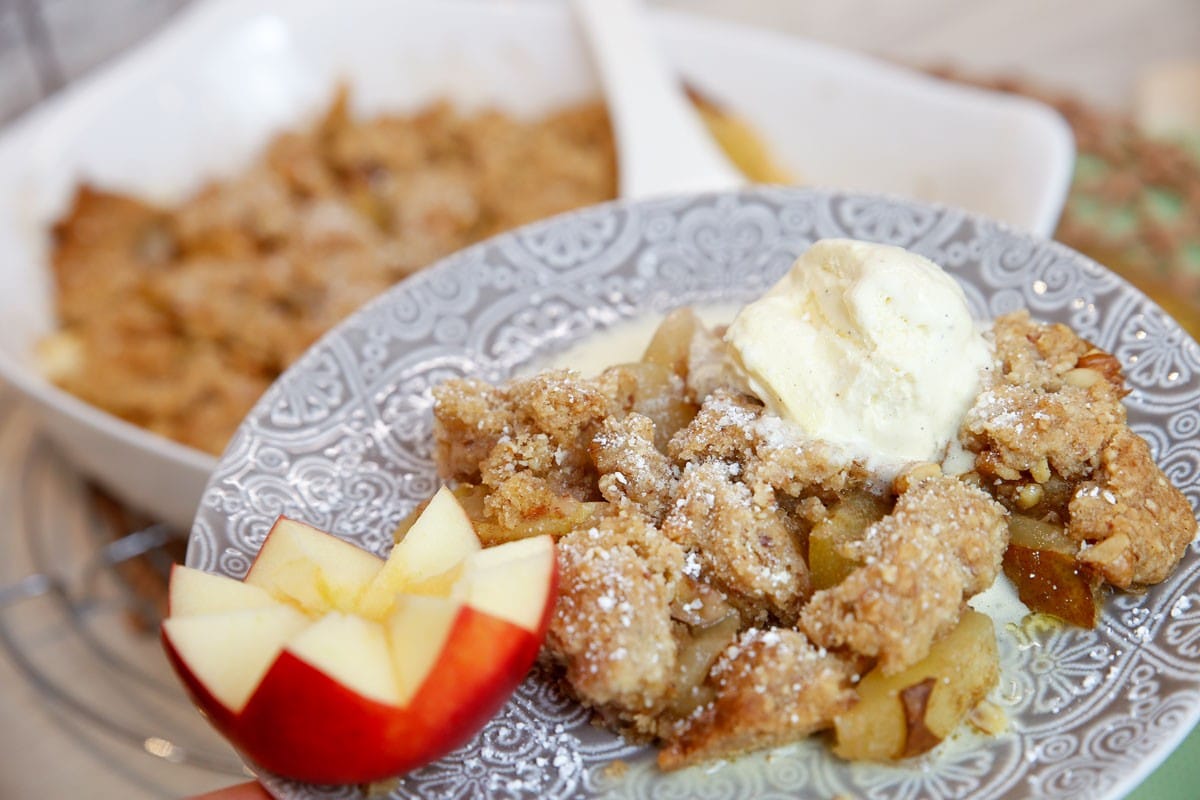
342	440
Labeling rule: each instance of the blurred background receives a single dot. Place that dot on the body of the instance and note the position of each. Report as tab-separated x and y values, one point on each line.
74	695
1097	50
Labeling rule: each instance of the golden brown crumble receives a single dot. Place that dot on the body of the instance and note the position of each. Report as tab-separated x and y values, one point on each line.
746	550
613	630
178	318
1133	524
472	415
735	428
1042	408
542	426
631	468
1050	438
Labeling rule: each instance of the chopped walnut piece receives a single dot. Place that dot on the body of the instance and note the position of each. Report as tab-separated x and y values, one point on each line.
772	687
942	544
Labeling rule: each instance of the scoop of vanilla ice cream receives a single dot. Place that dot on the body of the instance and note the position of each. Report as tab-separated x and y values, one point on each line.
866	346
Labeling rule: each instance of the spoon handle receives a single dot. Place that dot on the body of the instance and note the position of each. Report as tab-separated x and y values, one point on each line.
662	145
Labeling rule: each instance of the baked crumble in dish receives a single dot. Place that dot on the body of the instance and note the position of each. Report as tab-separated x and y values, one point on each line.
730	584
178	317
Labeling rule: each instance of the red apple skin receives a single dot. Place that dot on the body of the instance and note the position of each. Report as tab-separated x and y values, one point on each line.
303	725
217	712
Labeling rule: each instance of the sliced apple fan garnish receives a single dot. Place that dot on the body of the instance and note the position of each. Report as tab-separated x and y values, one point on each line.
331	665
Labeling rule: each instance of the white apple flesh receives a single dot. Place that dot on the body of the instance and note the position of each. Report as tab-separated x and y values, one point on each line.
435	545
331	666
309	568
233	650
193	592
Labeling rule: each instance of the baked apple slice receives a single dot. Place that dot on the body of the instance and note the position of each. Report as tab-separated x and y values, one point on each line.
1043	563
847	522
912	711
330	665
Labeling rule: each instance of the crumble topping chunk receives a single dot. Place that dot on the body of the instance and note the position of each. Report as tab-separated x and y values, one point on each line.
942	544
612	627
471	416
747	550
1053	403
772	687
1052	426
631	468
1139	523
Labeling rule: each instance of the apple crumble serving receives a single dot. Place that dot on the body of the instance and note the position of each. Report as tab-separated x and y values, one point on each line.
729	582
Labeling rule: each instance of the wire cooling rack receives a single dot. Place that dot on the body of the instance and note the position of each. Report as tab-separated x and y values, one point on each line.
80	603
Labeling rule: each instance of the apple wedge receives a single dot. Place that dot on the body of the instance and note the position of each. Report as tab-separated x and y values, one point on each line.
505	581
330	665
427	559
193	591
230	652
311	569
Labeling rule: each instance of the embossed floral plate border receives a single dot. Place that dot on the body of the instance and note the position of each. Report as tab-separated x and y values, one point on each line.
343	441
